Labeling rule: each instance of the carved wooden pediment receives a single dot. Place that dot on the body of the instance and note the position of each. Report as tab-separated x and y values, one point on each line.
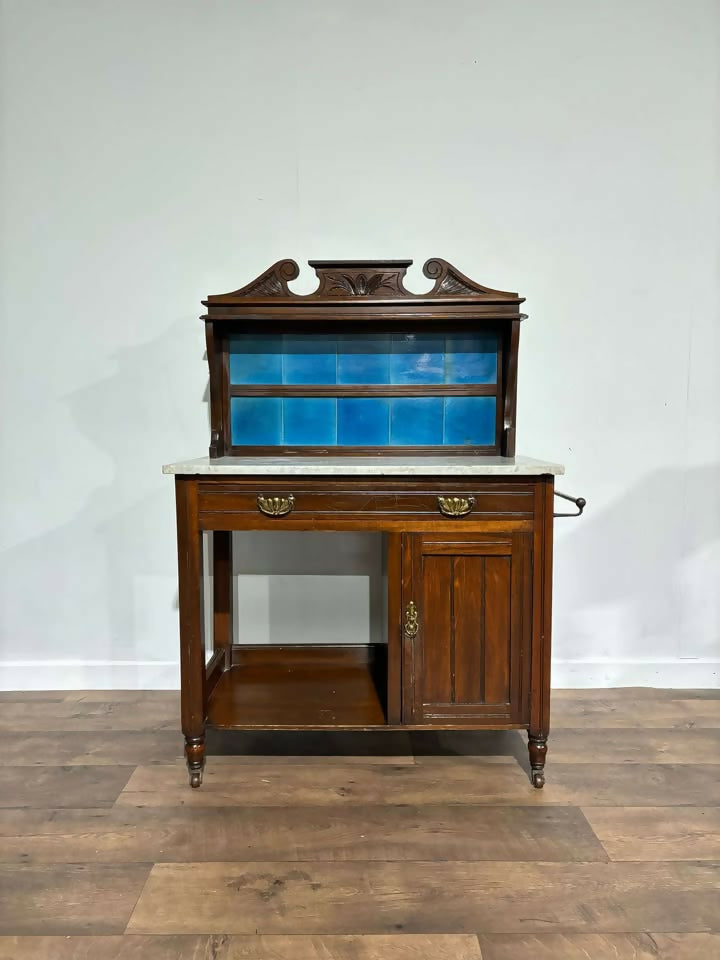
365	280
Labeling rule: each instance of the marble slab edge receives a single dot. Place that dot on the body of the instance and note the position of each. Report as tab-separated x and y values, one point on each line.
365	466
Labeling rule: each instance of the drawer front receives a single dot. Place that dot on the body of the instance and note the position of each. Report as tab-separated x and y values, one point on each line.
283	501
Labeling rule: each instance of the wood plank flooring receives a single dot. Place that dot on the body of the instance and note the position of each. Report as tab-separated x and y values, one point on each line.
347	846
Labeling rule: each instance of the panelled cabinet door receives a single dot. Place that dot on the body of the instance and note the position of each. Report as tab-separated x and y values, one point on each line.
466	628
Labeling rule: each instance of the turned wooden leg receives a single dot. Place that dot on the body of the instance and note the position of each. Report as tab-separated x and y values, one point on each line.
537	748
192	647
195	756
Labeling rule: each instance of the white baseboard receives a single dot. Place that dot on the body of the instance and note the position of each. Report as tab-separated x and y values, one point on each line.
89	675
681	674
165	675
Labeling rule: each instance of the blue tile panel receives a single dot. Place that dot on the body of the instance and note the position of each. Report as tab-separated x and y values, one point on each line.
417	359
363	358
309	358
469	421
363	421
256	421
416	421
309	421
471	359
255	359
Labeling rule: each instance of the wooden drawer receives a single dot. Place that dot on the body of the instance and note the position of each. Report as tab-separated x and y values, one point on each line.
277	502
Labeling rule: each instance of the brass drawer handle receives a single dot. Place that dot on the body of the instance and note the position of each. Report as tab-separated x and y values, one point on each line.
275	506
411	620
455	506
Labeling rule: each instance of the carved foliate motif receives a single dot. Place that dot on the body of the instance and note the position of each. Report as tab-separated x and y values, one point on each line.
361	285
268	286
367	279
453	285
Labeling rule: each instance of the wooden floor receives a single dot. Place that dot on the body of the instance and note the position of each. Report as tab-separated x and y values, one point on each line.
384	846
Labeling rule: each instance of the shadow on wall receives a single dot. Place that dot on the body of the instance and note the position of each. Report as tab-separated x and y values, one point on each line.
310	587
104	584
640	578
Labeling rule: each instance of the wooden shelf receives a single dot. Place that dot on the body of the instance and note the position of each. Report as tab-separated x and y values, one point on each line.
304	687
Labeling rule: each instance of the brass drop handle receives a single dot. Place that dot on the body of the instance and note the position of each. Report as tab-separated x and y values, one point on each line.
275	506
455	506
411	620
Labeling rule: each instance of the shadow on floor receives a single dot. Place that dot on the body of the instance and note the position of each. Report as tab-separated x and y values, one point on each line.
490	745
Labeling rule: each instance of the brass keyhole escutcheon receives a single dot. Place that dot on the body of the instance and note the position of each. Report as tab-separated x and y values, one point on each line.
411	620
455	506
275	506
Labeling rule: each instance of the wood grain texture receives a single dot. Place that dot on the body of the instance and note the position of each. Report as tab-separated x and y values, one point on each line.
69	898
152	698
600	946
297	693
26	696
220	947
131	834
572	946
615	712
635	694
657	833
468	593
496	897
60	787
89	715
437	629
497	660
634	784
418	844
632	745
91	747
328	785
600	784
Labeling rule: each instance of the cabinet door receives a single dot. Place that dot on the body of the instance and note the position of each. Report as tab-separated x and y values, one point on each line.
467	628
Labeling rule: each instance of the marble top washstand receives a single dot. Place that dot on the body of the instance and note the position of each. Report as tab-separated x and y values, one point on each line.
291	466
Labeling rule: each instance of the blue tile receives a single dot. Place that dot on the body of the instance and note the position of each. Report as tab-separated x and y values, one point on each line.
471	359
417	359
416	421
255	359
309	358
309	421
363	421
256	420
363	358
469	421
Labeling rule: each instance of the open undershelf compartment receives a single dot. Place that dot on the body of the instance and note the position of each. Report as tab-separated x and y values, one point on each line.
302	686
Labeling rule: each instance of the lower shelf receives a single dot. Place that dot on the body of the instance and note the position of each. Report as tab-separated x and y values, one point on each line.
300	687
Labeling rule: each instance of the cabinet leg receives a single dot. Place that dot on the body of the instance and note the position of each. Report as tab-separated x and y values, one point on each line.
192	647
195	756
537	748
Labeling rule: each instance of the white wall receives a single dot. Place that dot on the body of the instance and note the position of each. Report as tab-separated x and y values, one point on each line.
155	152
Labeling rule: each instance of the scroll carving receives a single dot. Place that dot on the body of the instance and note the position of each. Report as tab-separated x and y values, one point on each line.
272	283
366	279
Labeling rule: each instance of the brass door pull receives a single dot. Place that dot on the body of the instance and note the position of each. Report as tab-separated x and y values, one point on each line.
411	620
455	506
275	506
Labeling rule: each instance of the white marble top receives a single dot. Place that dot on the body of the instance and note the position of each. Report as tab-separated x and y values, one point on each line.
365	466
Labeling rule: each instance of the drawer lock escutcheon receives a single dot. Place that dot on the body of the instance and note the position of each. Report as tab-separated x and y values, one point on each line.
411	620
275	506
455	506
